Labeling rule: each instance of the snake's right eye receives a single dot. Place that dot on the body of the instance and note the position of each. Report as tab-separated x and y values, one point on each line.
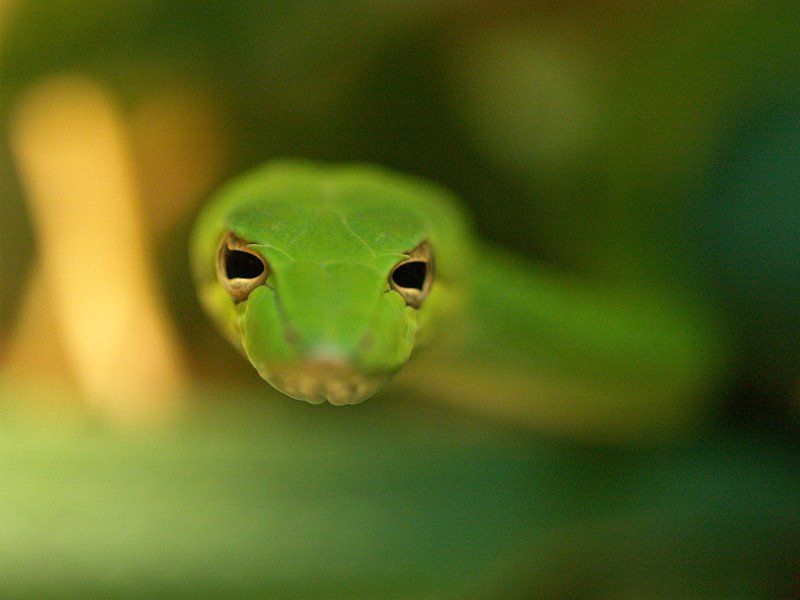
240	269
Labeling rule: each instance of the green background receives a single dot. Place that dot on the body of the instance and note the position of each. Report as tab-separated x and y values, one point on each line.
642	144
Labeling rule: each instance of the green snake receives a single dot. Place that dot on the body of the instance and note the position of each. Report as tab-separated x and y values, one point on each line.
329	277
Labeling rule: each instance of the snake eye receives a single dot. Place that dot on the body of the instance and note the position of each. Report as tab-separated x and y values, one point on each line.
242	265
240	270
412	278
410	274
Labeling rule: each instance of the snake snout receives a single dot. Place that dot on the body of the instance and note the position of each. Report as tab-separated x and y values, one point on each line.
318	380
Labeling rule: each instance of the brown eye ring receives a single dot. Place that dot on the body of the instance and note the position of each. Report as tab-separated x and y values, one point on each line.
240	270
412	278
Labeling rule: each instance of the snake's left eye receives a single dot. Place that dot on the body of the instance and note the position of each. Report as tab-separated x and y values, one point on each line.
412	278
240	270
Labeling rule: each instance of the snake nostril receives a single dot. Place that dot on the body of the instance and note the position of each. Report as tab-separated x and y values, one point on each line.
367	342
291	336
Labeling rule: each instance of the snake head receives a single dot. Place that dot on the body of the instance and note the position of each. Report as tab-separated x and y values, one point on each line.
327	278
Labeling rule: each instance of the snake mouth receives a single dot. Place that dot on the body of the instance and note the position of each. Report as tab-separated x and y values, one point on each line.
318	381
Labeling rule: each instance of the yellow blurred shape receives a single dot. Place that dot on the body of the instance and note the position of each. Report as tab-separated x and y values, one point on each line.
180	148
69	141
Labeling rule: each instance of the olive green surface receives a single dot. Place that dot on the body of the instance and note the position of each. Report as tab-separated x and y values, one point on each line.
282	499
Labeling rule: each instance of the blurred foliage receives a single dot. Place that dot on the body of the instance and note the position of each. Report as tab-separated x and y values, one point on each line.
289	500
748	227
651	144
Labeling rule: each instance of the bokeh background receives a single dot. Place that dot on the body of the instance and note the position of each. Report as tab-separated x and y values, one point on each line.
648	144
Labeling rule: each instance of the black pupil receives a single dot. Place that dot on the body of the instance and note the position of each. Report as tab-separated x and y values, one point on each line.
410	274
242	265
